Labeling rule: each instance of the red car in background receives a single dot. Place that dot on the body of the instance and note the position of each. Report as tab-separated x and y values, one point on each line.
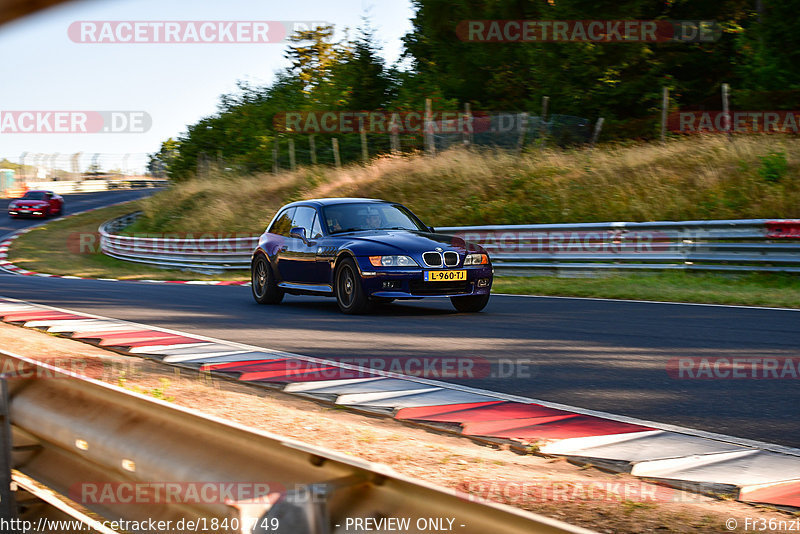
37	203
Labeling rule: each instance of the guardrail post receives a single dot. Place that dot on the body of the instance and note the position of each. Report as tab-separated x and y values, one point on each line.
8	505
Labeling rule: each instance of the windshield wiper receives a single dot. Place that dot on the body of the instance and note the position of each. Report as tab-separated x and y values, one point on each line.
347	230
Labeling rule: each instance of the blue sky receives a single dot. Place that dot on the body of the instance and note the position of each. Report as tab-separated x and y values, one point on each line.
176	84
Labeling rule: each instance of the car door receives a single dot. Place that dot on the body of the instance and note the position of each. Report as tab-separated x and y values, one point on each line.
299	260
279	243
52	201
55	202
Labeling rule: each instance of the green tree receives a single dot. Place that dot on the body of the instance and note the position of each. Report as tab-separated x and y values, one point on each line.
313	56
361	76
159	163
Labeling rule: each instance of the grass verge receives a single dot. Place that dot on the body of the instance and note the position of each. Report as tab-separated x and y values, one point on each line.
754	289
70	247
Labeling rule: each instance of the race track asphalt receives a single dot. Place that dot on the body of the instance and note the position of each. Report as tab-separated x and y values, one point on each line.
602	355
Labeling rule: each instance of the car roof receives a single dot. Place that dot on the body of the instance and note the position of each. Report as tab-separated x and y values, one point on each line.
38	191
319	202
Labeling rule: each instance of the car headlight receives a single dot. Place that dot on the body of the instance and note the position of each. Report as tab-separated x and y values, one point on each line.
392	261
476	259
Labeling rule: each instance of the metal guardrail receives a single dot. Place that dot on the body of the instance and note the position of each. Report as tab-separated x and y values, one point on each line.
725	245
90	186
71	433
204	254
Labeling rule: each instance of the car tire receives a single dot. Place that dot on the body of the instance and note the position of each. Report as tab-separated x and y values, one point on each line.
349	293
470	303
263	284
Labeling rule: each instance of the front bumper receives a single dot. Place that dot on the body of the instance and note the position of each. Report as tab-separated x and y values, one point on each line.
408	283
28	212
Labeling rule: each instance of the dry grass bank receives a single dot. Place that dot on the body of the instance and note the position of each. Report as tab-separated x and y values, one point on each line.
697	178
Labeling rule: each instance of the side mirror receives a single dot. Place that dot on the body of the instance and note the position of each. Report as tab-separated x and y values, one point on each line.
298	232
431	229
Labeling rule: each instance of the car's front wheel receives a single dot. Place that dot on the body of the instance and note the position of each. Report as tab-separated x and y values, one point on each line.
470	303
349	294
265	288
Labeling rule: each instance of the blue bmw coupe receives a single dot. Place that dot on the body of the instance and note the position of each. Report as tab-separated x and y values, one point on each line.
365	251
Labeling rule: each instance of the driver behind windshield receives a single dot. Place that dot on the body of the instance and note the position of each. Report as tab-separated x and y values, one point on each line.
333	222
373	219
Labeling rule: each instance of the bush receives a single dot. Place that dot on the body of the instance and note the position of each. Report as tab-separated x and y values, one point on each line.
773	167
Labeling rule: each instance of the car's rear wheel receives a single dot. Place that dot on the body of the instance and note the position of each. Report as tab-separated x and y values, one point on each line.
265	287
349	294
470	303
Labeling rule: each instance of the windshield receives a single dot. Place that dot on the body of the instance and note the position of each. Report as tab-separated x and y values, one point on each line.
369	216
34	195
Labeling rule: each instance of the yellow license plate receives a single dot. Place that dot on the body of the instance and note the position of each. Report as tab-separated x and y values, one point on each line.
445	276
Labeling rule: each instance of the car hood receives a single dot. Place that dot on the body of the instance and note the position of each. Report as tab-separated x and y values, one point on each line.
26	202
408	241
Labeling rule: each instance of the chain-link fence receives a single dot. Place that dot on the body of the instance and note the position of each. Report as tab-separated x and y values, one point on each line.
518	130
504	130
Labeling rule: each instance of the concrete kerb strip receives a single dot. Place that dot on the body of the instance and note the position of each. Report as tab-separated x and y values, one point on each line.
680	457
